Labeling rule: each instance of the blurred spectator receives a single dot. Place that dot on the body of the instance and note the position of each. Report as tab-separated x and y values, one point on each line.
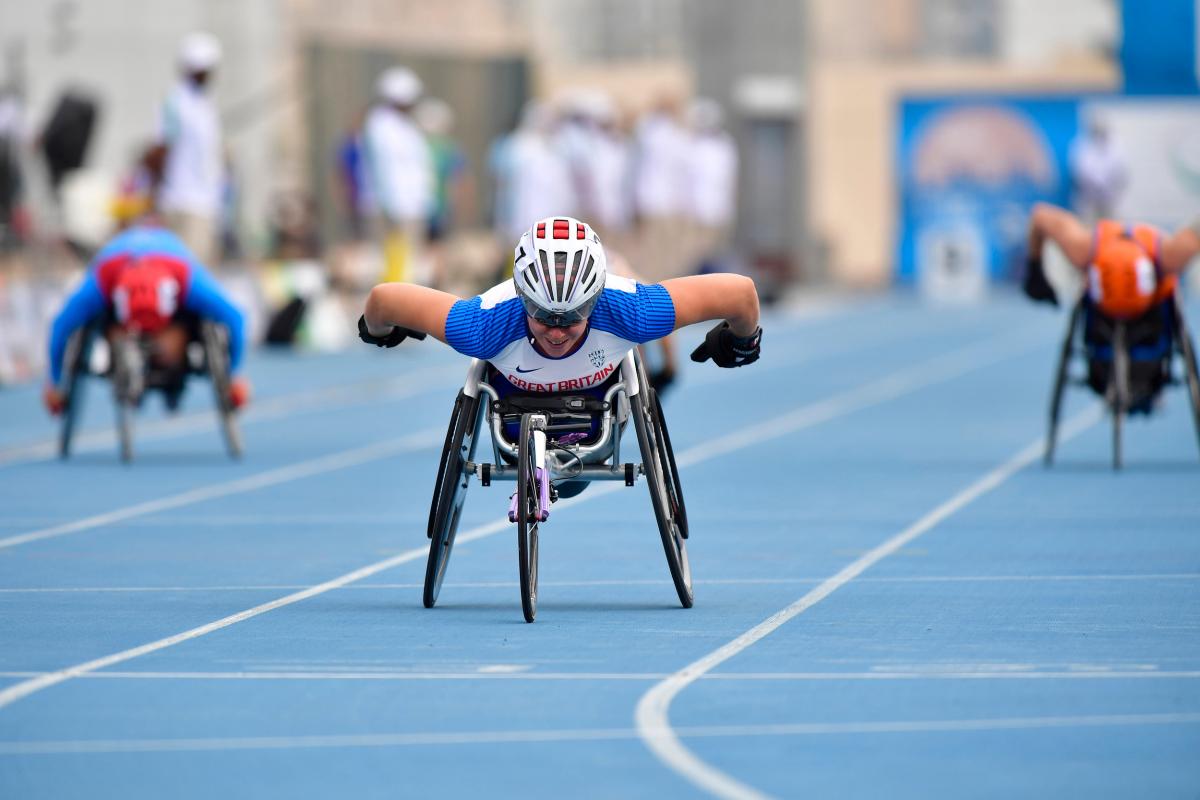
711	196
540	179
135	191
1099	173
192	184
11	137
453	192
603	158
401	175
65	138
350	179
659	169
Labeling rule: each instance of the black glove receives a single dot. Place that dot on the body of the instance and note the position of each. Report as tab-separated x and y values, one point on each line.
1035	286
397	335
727	349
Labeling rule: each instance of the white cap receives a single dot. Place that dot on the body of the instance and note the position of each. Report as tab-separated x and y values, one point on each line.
399	85
199	52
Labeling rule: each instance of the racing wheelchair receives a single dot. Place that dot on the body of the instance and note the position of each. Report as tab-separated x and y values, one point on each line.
131	374
562	438
1129	363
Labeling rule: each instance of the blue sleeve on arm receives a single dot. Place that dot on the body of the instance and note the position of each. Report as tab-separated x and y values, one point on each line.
641	316
81	308
206	299
483	332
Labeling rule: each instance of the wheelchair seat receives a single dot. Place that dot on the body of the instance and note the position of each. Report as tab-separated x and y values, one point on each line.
1150	340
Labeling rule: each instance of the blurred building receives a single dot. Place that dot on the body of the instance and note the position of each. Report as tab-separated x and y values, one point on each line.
809	88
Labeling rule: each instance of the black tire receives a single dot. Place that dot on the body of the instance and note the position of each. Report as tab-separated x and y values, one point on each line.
1060	384
75	362
529	516
214	340
443	463
450	491
674	486
127	377
1187	350
653	446
1119	389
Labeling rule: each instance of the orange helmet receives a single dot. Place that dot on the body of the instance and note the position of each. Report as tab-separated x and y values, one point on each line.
146	295
1122	279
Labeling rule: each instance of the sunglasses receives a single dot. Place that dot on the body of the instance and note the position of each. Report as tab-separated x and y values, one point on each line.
558	319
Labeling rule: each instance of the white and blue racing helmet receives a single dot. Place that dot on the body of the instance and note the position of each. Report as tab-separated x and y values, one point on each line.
559	270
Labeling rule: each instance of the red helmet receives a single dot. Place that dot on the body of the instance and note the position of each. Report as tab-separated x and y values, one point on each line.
146	294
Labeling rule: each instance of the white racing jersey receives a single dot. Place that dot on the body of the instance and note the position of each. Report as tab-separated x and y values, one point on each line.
492	327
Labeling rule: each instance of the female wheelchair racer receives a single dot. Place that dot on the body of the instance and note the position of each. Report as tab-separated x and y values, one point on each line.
555	350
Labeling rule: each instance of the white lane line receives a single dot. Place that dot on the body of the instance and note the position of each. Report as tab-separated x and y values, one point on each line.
962	359
323	399
286	587
303	469
94	746
652	713
1095	674
950	365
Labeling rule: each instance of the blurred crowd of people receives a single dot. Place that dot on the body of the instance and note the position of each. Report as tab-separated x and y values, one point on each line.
660	189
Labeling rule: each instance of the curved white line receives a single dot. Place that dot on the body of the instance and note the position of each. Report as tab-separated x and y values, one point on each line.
652	713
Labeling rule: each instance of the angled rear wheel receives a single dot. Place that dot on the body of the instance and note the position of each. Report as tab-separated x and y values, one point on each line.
658	463
450	491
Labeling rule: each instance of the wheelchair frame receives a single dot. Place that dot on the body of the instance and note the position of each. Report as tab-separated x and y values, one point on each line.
1117	395
130	377
534	461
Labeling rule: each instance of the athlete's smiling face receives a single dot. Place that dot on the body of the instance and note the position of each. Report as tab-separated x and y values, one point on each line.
556	342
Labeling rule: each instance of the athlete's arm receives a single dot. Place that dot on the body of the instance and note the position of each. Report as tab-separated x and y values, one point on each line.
1181	247
81	308
1064	229
407	305
205	297
726	296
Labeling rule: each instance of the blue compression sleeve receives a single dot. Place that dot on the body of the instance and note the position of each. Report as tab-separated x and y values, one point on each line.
81	308
206	299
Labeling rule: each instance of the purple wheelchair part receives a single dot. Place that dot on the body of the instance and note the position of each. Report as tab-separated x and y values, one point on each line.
543	479
572	438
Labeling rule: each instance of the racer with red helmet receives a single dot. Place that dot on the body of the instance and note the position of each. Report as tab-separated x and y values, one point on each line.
565	321
145	282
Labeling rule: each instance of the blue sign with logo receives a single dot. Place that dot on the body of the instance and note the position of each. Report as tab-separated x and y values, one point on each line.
969	170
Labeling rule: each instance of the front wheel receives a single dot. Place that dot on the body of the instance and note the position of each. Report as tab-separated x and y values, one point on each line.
529	516
216	356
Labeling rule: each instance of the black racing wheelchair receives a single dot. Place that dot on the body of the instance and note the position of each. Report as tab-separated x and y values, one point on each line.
131	375
1129	363
562	440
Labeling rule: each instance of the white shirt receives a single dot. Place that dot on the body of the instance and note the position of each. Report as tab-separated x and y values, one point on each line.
1099	171
659	176
541	183
712	178
609	162
398	164
193	174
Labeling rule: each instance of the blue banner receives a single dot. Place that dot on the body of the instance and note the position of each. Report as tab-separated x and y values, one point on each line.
969	169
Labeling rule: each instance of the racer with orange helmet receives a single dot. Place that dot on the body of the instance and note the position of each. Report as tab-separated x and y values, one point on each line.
145	282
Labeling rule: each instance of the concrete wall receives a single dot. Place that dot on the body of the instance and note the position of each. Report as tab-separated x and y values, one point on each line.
852	139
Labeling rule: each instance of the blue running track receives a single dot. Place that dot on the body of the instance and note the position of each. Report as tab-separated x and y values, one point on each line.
893	597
